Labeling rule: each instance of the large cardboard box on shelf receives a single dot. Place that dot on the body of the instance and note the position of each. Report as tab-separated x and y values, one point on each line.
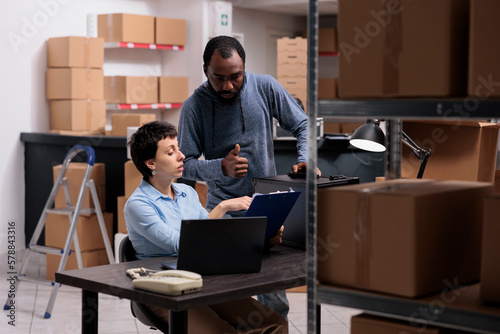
128	89
365	323
133	28
460	150
89	258
132	178
170	31
173	89
75	84
78	115
75	51
75	174
385	236
87	229
327	39
484	49
120	122
385	48
490	272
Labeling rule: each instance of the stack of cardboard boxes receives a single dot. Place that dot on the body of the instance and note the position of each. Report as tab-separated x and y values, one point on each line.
292	67
75	85
141	29
87	230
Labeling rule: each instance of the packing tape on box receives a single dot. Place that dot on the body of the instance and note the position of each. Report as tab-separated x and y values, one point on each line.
88	115
86	52
109	23
363	233
392	48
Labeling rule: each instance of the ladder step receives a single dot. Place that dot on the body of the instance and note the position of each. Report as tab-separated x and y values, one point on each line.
69	210
34	280
46	250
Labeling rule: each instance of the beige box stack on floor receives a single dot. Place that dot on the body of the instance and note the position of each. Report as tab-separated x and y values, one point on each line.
385	235
87	229
403	48
75	85
292	66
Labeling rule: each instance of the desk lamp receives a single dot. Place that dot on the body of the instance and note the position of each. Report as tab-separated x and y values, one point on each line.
370	137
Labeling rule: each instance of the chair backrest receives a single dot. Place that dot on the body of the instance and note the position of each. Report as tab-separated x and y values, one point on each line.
126	252
140	311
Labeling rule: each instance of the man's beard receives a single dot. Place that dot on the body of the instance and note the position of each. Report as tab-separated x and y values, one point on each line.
225	100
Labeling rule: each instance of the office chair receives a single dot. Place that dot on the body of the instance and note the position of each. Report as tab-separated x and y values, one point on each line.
139	310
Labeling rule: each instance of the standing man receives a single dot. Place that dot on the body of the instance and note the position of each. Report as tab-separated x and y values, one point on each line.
229	120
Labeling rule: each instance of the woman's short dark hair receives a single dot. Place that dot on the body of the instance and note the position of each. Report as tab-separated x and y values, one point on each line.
225	45
144	143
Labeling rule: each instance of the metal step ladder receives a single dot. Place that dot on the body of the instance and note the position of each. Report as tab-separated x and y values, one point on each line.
73	213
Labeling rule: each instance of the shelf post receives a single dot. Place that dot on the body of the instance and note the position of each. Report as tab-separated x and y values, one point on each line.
393	151
313	309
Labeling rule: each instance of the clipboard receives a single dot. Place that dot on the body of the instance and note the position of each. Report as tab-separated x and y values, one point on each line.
275	206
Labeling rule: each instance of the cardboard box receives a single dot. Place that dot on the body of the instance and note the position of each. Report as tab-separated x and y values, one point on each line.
120	122
497	180
297	44
90	259
173	89
327	88
332	127
126	28
327	40
87	229
484	49
403	237
75	174
202	190
364	324
409	48
284	70
132	178
292	57
78	115
490	272
75	51
75	84
123	89
350	127
461	150
120	205
170	31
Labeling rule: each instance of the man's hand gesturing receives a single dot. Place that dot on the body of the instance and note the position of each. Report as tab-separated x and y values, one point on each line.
233	165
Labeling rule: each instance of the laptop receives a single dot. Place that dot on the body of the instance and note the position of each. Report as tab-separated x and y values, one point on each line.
221	246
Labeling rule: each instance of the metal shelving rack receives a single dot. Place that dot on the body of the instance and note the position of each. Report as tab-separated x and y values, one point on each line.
458	309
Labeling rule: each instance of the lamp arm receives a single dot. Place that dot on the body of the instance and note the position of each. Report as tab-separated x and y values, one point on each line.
421	153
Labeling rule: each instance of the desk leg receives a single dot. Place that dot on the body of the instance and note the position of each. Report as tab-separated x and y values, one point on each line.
90	312
178	322
318	319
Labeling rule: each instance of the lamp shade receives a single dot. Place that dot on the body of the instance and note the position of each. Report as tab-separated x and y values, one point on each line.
369	137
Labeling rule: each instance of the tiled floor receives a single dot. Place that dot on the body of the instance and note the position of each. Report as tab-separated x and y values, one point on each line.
114	313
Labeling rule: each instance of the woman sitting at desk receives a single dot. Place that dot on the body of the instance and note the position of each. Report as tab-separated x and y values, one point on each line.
153	215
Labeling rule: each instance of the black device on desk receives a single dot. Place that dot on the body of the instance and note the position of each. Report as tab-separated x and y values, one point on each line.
295	224
221	246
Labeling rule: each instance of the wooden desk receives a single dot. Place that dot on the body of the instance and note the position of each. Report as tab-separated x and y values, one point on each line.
283	268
